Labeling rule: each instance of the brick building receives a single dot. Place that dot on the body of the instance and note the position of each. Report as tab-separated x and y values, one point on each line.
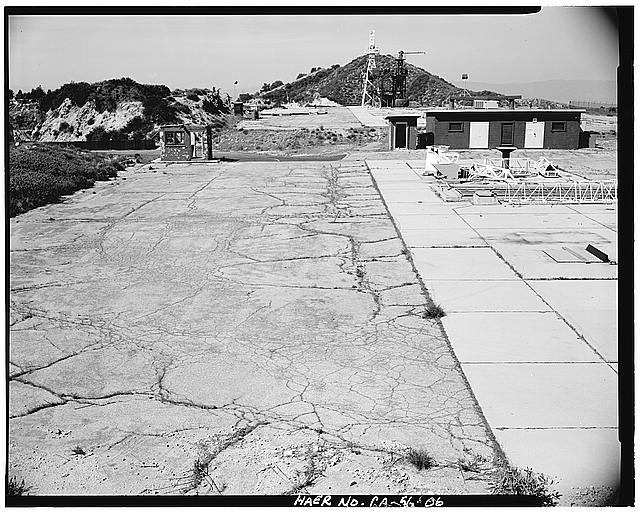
489	128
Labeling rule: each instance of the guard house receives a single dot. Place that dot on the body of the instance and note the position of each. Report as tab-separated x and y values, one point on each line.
185	142
403	131
490	128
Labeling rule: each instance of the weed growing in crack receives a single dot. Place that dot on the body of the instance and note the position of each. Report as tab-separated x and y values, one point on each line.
471	462
433	311
79	451
421	459
200	471
15	487
514	481
309	475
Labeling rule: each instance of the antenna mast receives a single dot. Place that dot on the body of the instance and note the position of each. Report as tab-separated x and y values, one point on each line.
368	89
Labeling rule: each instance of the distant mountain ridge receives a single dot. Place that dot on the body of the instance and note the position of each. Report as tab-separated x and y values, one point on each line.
563	91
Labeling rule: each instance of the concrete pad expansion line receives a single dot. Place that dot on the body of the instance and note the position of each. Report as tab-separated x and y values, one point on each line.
538	349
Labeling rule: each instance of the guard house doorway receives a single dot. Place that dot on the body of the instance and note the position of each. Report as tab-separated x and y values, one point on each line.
197	142
401	135
506	135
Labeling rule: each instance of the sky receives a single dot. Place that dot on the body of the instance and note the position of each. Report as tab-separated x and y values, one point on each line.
571	43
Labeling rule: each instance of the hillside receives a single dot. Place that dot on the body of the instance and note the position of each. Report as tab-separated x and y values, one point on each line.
108	110
343	84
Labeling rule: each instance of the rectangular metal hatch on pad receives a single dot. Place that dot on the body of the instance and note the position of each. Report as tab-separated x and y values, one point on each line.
574	255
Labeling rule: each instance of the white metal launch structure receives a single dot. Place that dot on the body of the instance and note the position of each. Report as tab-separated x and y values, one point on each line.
369	96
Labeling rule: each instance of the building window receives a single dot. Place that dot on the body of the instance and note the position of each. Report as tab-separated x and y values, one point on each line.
455	127
174	138
558	126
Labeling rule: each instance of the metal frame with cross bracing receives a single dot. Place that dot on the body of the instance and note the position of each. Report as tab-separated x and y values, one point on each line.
370	95
561	192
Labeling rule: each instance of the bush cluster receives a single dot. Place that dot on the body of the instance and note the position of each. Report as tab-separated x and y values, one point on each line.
106	94
40	174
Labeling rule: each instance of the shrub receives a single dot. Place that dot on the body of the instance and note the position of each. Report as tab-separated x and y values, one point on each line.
514	481
193	97
65	127
15	487
433	311
41	174
420	458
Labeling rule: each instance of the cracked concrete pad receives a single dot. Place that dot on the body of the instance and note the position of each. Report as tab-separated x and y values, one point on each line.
514	209
460	264
104	372
545	395
29	236
420	221
485	296
130	444
610	220
541	220
412	195
403	187
581	457
352	475
515	337
413	208
26	398
257	321
590	306
581	237
433	237
533	263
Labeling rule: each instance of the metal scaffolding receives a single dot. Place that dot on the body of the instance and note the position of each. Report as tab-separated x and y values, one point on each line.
561	192
370	96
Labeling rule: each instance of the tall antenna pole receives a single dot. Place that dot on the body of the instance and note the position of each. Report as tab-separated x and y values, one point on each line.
368	89
465	76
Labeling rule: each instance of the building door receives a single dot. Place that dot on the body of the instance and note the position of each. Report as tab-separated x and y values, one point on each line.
401	135
197	141
479	134
534	134
506	136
